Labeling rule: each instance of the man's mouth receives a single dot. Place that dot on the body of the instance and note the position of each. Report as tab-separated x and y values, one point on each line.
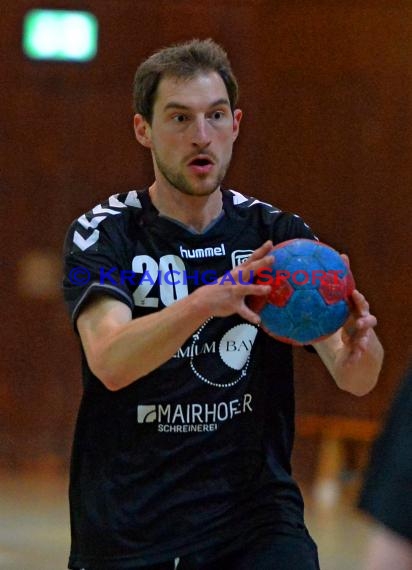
201	164
201	161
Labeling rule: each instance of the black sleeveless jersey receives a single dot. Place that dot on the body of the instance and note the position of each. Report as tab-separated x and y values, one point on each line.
194	457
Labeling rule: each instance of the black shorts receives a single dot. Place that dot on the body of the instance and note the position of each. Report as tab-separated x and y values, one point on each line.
277	551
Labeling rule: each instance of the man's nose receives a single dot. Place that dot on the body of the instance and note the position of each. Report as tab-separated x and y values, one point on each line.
201	132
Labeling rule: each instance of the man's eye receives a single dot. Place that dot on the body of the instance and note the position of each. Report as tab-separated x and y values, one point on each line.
180	118
217	115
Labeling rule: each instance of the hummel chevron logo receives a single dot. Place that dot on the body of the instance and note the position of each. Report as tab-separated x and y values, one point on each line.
115	203
93	223
100	213
82	243
100	210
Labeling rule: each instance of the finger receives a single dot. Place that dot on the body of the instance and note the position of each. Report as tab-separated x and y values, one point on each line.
360	303
249	315
264	248
345	259
253	289
357	352
260	252
250	264
359	341
354	357
368	322
247	271
356	329
266	261
357	337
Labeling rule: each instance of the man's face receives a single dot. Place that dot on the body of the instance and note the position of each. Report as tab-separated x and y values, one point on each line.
192	133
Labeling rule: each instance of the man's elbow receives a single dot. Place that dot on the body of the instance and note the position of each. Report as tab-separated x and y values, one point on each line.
113	377
109	380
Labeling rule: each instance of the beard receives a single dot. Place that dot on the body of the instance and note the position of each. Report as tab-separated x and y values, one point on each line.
203	187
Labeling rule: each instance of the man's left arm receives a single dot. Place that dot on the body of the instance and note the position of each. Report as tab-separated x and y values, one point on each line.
353	355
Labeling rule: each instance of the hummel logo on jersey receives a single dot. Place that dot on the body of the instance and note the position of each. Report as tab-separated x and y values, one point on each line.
203	252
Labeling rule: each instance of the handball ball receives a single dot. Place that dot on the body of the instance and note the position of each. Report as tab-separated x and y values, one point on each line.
310	296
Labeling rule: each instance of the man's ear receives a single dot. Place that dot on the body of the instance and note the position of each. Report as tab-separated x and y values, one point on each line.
237	117
142	130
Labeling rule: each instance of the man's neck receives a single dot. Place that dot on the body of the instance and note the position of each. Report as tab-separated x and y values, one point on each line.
195	212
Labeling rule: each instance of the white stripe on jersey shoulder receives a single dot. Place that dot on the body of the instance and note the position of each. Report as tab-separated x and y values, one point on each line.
118	202
248	201
91	220
239	198
132	199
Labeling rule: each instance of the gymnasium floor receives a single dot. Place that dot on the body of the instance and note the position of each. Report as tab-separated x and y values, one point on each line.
34	531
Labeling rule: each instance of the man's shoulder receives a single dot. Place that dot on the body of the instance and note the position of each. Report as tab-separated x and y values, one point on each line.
244	201
281	224
115	211
254	208
115	205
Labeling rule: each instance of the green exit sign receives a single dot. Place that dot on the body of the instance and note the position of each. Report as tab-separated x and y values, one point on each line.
63	35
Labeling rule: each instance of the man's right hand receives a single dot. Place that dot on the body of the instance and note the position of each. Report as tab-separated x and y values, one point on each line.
227	296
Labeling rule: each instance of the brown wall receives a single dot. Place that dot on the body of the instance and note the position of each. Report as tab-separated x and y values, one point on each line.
326	88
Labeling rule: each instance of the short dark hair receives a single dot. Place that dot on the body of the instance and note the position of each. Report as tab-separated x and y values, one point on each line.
183	61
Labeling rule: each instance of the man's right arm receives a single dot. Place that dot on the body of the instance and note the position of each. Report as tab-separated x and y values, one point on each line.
120	350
